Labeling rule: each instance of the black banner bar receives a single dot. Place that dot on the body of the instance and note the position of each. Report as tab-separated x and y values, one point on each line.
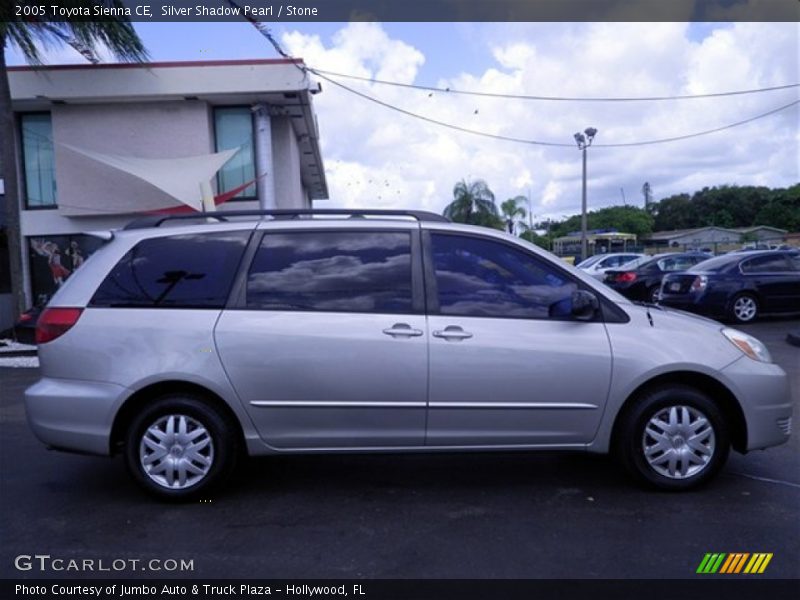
277	11
730	588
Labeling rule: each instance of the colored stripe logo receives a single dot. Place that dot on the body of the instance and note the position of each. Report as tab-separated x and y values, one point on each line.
734	563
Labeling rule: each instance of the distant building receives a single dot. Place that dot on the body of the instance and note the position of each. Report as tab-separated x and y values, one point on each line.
598	240
100	144
709	237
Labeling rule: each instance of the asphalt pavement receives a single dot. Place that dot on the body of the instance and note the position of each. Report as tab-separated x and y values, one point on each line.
497	515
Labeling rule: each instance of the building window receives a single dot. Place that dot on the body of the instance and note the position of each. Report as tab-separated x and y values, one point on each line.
233	128
38	160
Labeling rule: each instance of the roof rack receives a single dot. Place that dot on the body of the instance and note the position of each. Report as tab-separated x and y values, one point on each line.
286	213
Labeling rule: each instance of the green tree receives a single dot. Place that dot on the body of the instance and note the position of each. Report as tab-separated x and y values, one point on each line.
473	203
726	206
674	212
512	211
625	219
542	241
29	34
782	210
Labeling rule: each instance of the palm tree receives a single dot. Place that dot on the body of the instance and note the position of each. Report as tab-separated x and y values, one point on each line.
473	203
28	34
512	211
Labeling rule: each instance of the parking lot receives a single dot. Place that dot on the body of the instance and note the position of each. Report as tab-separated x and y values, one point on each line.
501	515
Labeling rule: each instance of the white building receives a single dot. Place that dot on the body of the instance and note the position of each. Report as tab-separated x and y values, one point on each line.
75	121
707	237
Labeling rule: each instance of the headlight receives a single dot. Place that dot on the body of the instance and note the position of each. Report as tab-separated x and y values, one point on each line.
748	344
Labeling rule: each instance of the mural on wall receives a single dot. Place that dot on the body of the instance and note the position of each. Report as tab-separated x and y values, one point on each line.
54	258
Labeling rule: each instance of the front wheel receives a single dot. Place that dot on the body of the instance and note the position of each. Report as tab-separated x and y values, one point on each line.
673	438
744	308
179	447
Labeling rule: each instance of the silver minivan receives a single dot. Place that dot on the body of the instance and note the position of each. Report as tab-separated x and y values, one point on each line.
188	342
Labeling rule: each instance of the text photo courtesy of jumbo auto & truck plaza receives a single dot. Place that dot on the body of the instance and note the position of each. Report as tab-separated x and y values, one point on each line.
328	299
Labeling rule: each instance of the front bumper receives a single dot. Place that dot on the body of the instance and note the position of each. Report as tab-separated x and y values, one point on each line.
765	399
71	414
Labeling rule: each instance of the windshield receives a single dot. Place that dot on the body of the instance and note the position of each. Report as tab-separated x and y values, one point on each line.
589	261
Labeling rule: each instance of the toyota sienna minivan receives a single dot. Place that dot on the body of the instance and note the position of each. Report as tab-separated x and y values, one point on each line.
186	343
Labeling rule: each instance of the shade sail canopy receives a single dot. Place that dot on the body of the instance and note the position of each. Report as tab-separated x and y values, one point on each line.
178	177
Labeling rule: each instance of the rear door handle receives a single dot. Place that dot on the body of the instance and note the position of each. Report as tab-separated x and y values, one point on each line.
452	332
402	330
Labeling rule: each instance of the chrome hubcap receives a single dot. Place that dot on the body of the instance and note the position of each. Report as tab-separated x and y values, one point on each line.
744	308
176	451
678	442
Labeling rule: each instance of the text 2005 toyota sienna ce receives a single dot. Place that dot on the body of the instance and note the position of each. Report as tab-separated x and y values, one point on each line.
185	344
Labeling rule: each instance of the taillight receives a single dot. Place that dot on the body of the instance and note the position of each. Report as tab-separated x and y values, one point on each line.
55	322
627	277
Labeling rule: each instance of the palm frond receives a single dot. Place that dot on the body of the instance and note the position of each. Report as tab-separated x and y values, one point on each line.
31	35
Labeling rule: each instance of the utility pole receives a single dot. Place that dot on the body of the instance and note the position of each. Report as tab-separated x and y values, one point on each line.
584	140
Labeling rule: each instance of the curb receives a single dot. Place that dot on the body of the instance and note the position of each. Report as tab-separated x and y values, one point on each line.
18	353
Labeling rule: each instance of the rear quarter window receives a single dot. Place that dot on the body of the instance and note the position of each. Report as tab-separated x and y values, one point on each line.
775	263
180	271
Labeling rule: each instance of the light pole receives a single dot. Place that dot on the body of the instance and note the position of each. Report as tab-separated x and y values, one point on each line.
584	140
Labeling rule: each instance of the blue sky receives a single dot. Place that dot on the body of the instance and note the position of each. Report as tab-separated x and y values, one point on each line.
417	164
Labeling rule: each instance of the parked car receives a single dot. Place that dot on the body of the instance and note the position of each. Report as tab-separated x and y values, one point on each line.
738	287
185	347
599	264
643	282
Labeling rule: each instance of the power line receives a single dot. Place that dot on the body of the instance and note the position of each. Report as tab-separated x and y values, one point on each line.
264	31
699	133
546	143
554	98
435	121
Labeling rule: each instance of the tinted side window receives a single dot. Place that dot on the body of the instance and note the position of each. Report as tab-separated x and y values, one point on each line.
775	263
181	271
483	278
332	271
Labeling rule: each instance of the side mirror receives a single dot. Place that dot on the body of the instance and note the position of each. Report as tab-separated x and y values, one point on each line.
584	305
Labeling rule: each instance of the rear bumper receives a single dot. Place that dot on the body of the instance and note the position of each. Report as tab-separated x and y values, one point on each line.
766	401
75	415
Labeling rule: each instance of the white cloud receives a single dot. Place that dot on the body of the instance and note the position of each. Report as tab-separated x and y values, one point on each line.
377	157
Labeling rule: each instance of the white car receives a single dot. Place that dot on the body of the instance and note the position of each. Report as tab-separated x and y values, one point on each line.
597	265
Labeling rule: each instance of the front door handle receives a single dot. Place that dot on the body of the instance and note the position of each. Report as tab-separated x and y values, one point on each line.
402	330
452	332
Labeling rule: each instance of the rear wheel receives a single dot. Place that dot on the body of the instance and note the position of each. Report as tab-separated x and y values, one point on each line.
180	447
654	294
744	308
673	438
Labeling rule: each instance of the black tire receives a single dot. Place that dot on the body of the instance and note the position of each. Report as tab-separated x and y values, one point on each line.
630	438
653	294
217	458
737	312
